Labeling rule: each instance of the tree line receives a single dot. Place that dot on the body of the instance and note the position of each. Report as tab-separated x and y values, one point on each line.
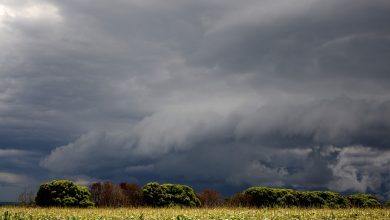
64	193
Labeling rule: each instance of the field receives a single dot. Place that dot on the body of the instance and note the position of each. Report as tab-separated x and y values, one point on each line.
176	213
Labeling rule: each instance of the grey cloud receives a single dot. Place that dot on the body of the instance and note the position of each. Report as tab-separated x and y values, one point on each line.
15	152
140	168
283	50
154	136
364	54
12	178
14	160
360	169
257	172
340	121
104	149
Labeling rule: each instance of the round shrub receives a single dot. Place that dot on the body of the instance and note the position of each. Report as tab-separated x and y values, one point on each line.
63	193
169	195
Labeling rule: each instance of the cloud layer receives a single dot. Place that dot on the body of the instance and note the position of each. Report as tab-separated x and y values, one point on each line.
209	93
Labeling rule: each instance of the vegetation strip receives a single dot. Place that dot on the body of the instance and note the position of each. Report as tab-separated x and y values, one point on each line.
20	213
64	193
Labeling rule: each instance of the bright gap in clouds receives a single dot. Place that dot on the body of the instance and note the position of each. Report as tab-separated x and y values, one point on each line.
30	11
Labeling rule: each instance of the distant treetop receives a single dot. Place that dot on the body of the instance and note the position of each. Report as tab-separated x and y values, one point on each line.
63	193
169	195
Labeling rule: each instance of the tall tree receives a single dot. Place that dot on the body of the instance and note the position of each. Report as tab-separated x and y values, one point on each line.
63	193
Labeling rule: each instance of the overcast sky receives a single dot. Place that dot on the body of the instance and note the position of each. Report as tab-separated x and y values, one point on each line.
221	94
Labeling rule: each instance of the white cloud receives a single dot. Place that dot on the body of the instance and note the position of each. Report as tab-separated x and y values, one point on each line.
43	11
359	168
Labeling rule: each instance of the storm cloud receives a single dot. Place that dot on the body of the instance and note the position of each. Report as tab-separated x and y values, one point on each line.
223	94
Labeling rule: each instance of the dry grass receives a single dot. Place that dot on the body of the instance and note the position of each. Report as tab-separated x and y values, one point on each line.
176	213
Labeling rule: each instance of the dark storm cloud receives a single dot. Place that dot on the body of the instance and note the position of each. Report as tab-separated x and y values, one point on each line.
15	167
219	93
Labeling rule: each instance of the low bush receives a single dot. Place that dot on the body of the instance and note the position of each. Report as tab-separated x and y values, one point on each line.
332	199
169	195
311	200
63	193
364	201
272	197
278	197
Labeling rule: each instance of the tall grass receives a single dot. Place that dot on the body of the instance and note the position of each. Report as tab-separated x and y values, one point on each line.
181	214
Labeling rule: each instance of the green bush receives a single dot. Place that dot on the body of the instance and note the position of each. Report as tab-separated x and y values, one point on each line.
388	203
278	197
364	201
311	200
287	198
333	199
63	193
261	196
272	197
168	195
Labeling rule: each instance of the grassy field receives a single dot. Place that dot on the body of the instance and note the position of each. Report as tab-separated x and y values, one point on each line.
173	213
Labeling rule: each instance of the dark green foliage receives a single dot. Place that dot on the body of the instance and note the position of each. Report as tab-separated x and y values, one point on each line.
154	194
332	199
168	195
275	197
63	193
286	198
272	197
388	203
311	199
364	201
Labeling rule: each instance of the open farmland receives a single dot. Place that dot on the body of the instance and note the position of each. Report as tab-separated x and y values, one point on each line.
176	213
